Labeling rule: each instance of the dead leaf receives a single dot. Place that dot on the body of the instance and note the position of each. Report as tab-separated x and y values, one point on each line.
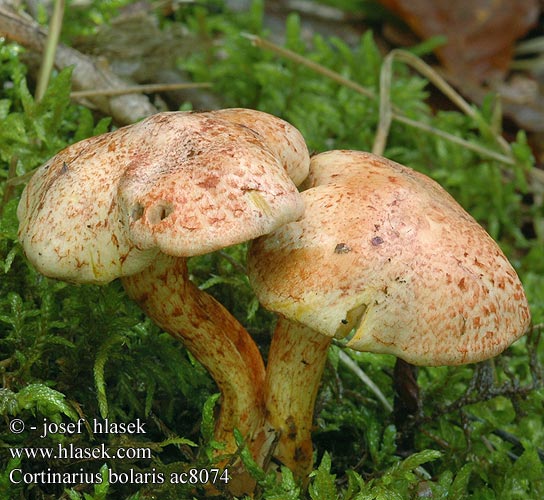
480	33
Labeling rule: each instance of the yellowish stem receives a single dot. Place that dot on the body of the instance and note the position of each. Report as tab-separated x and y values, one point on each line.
295	365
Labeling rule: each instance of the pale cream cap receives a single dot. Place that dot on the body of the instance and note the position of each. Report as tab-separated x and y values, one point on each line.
180	183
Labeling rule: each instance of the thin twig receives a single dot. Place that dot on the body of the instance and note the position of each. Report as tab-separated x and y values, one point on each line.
467	399
87	73
506	436
138	89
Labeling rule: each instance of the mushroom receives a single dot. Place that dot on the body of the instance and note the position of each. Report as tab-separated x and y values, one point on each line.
387	260
136	202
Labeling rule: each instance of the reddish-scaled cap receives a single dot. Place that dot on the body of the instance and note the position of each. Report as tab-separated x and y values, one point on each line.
179	183
384	252
284	140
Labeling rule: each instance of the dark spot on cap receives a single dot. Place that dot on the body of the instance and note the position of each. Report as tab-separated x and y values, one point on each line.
377	240
342	248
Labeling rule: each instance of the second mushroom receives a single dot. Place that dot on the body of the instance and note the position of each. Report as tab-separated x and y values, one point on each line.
387	260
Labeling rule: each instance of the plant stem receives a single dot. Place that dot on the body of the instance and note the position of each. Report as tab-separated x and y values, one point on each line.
296	361
48	59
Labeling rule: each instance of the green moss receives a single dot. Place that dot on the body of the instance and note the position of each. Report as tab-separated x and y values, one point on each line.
69	352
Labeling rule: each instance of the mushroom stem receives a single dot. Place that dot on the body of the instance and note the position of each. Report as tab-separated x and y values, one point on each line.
407	404
212	335
296	361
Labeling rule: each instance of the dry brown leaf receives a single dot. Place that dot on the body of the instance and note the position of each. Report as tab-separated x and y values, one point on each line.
480	33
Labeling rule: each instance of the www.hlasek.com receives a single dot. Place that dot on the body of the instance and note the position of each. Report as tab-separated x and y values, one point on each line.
100	452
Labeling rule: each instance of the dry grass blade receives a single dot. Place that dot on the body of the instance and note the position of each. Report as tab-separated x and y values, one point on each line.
386	111
48	59
138	89
318	68
393	113
356	369
20	179
441	84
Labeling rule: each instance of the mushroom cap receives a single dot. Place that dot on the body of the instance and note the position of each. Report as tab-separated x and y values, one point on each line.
181	183
284	140
387	253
